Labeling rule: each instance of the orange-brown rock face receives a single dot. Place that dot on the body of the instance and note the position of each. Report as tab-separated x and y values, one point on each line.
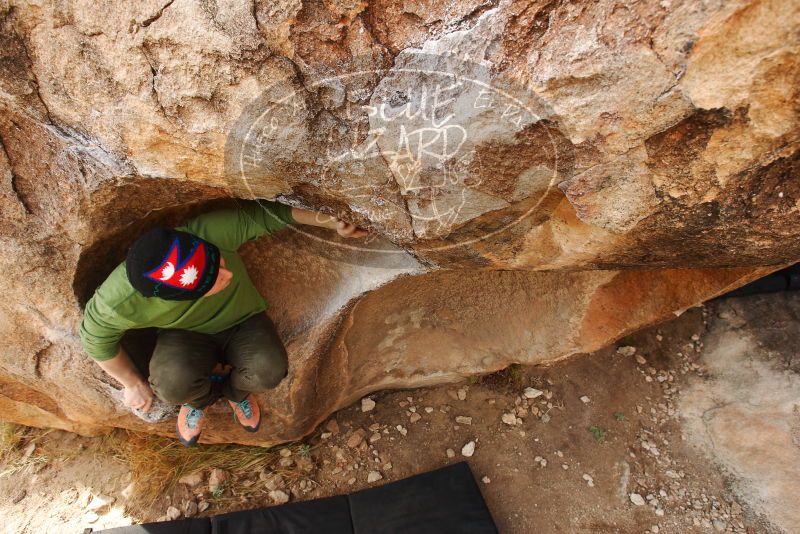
540	178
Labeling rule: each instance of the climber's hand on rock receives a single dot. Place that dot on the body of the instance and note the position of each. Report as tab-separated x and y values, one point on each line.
347	229
139	396
323	220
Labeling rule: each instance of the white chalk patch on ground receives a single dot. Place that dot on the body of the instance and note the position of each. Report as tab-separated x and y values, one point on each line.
746	416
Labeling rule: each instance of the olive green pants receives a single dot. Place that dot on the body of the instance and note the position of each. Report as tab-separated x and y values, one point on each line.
183	362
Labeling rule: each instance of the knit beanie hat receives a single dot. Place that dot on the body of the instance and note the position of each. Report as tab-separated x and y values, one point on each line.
172	265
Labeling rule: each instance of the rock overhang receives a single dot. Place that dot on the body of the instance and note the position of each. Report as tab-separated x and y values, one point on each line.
676	131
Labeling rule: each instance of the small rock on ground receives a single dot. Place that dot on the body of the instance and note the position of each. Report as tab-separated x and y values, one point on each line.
367	404
100	502
279	497
356	438
532	393
626	351
468	449
190	509
192	479
332	426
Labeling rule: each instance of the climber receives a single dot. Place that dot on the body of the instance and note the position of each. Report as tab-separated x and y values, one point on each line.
192	285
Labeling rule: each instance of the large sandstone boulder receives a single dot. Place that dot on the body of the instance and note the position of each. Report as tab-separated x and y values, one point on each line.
540	178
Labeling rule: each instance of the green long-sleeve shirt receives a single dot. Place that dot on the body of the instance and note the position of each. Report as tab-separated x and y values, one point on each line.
116	306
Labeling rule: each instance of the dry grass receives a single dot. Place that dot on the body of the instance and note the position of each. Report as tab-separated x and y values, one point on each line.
11	435
157	463
19	448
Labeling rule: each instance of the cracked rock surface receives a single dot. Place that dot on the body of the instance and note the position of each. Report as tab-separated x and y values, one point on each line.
654	169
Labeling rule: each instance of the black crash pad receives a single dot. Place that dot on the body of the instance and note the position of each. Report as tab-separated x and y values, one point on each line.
320	515
446	500
198	525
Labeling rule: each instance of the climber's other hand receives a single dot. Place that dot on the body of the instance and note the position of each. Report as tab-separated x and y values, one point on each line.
347	229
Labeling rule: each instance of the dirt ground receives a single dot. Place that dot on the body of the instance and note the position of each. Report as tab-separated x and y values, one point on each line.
690	426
